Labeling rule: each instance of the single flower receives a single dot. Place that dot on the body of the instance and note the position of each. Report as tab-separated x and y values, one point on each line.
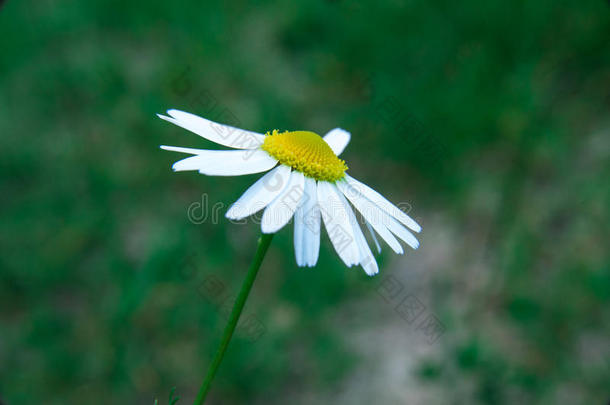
307	180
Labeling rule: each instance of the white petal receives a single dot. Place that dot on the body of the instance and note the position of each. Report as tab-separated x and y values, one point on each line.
307	226
337	139
190	151
227	162
372	232
337	222
403	233
219	133
282	208
298	238
367	261
381	202
378	218
260	194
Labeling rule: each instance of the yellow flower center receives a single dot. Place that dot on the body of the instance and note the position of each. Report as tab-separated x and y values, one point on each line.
305	152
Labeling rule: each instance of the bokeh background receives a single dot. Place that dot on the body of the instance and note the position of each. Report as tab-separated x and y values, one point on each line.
491	119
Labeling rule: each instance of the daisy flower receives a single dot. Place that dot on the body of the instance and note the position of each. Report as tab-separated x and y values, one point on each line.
305	180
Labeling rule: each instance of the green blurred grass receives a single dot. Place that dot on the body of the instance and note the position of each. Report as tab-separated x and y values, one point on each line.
446	102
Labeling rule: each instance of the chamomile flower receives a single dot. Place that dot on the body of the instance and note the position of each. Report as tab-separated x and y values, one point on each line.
305	180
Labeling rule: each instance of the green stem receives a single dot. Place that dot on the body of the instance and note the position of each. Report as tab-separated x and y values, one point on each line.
263	245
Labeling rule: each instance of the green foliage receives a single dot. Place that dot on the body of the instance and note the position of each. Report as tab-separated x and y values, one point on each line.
171	400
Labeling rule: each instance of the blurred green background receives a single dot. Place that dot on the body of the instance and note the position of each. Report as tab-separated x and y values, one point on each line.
489	118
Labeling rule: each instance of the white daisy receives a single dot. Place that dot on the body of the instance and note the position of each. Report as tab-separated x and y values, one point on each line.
306	180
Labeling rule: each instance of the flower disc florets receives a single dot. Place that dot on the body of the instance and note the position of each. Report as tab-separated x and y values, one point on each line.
305	152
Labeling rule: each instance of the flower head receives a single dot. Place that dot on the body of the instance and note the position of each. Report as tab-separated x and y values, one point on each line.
305	180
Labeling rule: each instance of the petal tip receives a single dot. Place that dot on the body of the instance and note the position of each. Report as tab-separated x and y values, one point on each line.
267	228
